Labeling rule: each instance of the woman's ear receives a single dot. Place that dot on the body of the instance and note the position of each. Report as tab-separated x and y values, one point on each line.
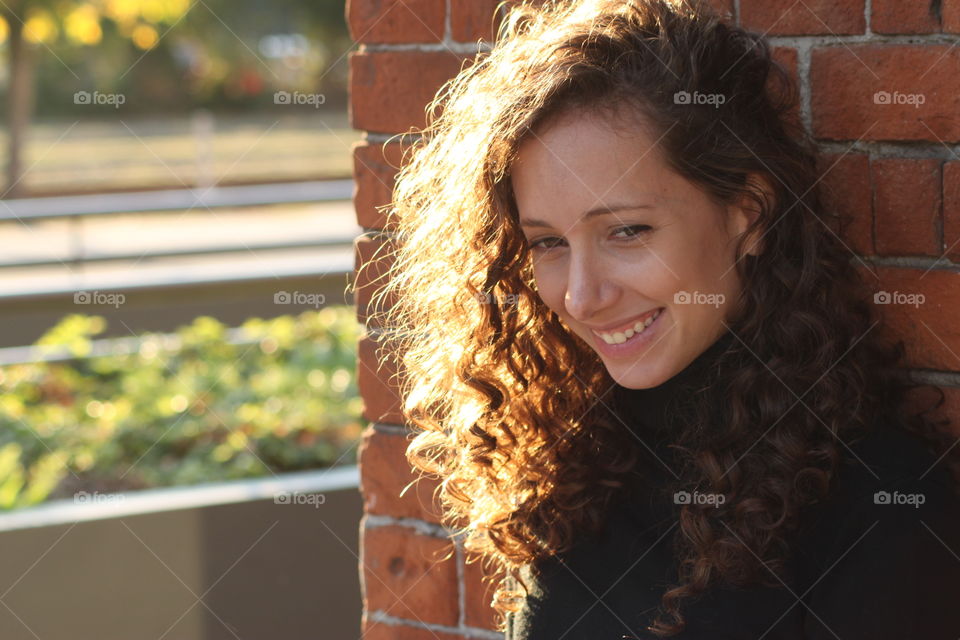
746	210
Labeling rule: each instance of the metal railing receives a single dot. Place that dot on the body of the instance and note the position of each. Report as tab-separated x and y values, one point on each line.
282	257
76	208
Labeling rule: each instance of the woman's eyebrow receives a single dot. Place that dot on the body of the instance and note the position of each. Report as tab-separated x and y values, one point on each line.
598	211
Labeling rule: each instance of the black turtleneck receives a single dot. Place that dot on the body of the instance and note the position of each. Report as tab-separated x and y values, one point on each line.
655	410
862	568
655	416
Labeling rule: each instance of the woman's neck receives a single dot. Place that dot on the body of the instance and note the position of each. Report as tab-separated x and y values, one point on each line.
658	410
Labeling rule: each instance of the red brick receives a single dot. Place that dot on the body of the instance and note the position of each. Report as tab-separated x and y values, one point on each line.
930	331
476	16
478	596
810	17
787	57
472	20
844	82
374	169
409	575
845	188
377	383
385	473
950	16
951	210
372	262
389	90
396	21
724	8
904	16
924	398
907	205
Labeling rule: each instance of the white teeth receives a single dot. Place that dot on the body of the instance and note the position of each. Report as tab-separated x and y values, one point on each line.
621	337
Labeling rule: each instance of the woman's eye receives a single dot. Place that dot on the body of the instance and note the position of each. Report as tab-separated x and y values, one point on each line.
634	229
536	243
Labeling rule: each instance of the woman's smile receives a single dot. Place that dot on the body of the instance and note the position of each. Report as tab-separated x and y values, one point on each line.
633	340
590	272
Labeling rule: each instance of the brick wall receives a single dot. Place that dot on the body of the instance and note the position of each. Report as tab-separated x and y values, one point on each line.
895	168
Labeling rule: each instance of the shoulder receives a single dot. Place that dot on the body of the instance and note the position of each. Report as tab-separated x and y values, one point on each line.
886	543
888	475
892	468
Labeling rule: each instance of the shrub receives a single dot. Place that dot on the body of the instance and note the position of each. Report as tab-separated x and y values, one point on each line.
206	403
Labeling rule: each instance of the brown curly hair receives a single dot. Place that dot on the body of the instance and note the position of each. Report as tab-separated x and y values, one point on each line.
507	404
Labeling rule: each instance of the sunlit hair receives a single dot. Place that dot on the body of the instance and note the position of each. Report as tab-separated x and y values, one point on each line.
511	409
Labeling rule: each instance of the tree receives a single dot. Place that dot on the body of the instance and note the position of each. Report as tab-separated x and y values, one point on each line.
31	26
231	35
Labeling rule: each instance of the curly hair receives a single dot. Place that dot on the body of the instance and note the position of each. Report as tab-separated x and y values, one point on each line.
507	404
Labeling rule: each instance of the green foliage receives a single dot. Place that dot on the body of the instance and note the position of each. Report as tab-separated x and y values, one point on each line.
192	407
173	56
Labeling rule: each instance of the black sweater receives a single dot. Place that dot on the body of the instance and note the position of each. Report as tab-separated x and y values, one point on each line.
862	568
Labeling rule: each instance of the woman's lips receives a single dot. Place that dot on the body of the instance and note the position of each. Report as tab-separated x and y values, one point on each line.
635	344
627	330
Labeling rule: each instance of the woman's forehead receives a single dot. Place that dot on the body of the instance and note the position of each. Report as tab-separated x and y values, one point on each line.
582	164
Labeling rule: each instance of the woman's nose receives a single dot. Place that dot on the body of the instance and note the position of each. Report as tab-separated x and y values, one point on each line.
588	288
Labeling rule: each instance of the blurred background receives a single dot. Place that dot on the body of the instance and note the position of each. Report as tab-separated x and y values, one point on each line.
179	414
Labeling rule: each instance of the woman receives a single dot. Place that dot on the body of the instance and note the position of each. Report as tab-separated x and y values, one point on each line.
641	359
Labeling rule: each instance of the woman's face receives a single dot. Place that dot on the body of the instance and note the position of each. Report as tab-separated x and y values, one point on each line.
617	237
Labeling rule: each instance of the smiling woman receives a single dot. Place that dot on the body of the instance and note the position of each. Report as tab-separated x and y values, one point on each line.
637	354
612	274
